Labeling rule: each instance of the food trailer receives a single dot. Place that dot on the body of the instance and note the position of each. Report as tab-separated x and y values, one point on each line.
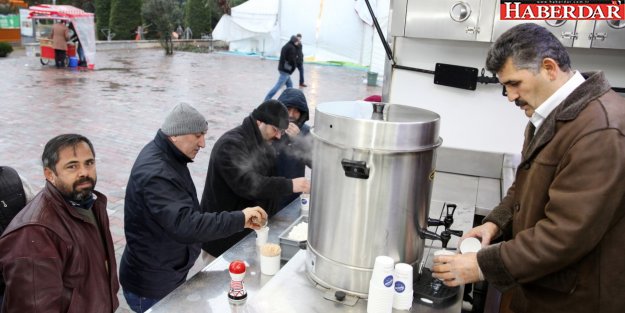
83	24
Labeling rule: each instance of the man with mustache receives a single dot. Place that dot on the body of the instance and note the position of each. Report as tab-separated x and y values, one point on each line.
562	221
163	222
57	254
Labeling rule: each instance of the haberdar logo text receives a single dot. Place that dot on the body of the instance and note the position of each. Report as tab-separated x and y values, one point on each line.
562	10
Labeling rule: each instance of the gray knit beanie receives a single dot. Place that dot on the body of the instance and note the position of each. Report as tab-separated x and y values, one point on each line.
184	119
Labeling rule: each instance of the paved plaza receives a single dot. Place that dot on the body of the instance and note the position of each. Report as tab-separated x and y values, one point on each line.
122	104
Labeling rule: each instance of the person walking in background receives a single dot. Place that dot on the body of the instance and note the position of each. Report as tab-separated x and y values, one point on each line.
286	66
163	223
180	32
59	36
562	221
300	60
57	254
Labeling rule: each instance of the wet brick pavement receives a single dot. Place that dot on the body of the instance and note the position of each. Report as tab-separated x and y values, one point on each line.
120	106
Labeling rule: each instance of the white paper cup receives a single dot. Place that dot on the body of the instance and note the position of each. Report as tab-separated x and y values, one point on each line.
470	245
382	274
270	258
262	235
402	299
305	201
443	252
269	265
380	299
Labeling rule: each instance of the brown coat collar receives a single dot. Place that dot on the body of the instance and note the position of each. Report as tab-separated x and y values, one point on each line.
595	86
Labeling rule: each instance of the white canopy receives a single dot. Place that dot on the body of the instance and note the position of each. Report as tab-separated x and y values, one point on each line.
252	27
331	30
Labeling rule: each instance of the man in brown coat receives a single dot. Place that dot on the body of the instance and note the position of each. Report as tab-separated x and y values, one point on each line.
59	36
563	220
57	254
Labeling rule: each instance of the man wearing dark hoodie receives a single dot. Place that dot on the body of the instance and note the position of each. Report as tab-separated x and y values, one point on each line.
242	170
293	151
286	66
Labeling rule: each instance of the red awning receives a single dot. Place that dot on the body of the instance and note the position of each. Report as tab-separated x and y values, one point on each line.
56	11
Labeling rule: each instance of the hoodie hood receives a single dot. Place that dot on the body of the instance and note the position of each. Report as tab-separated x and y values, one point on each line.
294	98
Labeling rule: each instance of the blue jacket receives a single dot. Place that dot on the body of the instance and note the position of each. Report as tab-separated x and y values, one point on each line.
163	223
293	155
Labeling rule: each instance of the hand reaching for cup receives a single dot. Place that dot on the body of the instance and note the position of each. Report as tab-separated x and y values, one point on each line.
255	217
456	270
485	233
301	184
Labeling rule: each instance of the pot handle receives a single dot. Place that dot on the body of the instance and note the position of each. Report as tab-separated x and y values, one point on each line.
355	169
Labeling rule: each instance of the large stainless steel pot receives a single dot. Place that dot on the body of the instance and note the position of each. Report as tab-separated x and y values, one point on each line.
371	187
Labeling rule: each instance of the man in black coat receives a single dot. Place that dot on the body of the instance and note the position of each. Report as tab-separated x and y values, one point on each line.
242	171
163	222
286	66
300	60
294	150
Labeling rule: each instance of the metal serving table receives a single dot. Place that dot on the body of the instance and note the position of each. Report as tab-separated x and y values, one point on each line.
288	291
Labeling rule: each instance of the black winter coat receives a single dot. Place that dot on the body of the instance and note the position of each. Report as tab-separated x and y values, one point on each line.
163	223
300	54
294	154
241	174
288	57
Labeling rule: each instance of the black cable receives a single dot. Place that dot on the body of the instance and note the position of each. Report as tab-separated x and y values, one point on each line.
401	67
387	48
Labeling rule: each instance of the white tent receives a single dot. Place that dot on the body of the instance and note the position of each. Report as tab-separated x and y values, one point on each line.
331	30
252	27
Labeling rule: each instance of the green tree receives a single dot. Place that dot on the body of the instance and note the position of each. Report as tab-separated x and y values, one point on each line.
125	17
164	16
102	16
198	16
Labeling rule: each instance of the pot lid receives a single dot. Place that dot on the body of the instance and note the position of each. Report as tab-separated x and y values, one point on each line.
378	126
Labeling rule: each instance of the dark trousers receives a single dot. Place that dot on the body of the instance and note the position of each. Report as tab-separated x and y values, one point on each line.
138	303
59	58
300	69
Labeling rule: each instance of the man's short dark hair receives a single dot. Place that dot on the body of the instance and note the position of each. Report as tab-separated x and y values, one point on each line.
527	44
50	155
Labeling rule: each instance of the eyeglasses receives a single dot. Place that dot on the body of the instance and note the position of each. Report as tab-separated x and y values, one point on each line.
281	131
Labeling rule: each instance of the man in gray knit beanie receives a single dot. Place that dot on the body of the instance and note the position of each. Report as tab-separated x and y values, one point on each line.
164	224
184	119
186	127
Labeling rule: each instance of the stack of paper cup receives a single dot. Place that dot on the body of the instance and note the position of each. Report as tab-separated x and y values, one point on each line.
381	289
402	300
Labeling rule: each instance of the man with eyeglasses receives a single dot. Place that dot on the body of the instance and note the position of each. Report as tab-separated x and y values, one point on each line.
242	170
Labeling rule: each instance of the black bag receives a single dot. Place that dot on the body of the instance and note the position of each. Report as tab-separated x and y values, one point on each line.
12	200
12	196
